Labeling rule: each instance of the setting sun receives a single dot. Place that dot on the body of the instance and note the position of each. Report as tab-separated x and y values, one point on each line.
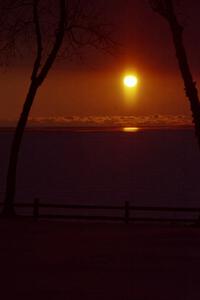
130	81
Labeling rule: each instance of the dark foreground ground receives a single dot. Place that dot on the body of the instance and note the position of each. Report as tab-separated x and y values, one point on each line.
58	260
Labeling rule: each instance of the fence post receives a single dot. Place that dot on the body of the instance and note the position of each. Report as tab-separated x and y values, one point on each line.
126	216
36	204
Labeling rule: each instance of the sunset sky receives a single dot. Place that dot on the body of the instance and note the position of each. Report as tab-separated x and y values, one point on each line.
95	87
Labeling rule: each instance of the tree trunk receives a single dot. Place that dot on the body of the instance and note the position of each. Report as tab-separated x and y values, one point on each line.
166	9
8	207
190	85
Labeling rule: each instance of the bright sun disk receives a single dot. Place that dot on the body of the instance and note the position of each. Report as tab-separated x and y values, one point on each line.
130	81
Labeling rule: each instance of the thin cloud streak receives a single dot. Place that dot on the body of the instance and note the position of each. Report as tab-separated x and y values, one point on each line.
106	121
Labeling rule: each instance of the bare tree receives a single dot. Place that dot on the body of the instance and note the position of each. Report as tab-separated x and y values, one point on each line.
166	9
53	28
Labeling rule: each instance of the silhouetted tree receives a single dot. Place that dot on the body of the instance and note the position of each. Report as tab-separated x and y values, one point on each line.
53	28
166	9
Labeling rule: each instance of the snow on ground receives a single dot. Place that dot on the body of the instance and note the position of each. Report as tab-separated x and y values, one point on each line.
66	260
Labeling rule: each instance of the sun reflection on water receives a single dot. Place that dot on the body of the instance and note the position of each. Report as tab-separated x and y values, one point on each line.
131	129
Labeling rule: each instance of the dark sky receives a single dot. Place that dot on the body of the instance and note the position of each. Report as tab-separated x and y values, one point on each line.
145	37
95	86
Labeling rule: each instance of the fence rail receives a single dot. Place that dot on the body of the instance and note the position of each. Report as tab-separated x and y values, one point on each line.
126	209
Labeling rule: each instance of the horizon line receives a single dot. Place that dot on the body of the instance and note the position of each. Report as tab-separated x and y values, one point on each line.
128	128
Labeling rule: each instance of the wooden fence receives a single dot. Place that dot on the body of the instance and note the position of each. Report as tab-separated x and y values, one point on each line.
128	213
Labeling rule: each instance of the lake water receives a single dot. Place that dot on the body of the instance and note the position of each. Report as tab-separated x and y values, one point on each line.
146	167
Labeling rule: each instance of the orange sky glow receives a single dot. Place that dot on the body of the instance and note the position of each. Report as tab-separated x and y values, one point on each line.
96	88
94	93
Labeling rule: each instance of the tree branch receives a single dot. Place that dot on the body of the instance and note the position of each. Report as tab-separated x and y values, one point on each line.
38	39
158	7
57	44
